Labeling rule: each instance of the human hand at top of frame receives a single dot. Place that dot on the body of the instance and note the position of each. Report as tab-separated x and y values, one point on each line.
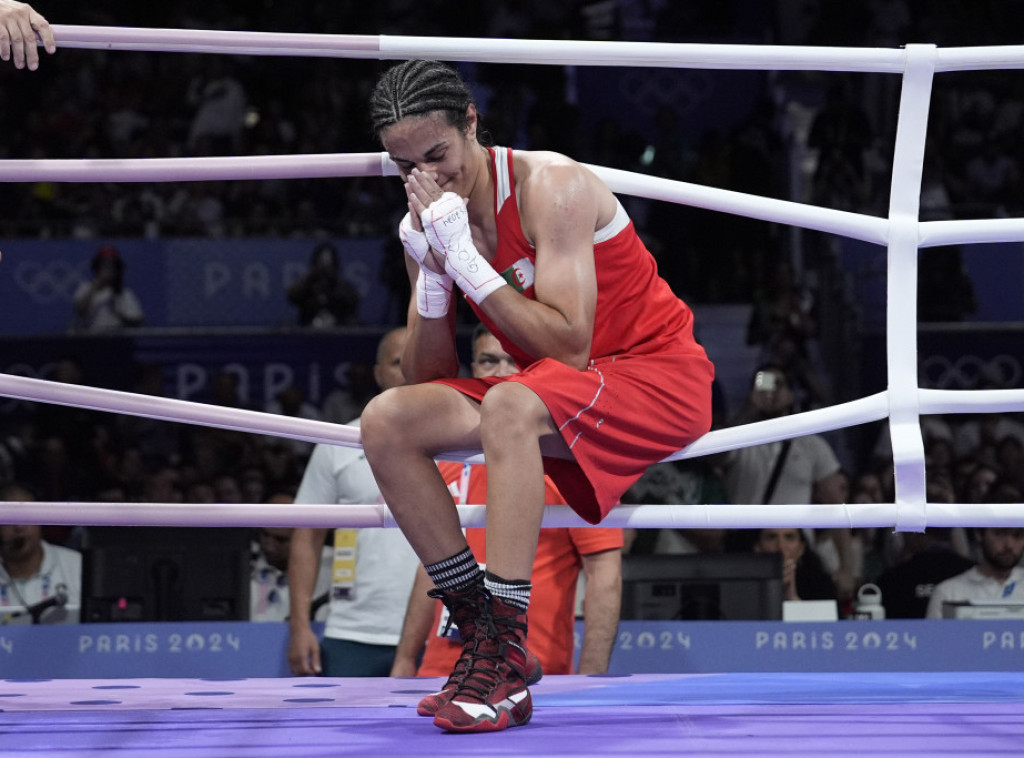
19	25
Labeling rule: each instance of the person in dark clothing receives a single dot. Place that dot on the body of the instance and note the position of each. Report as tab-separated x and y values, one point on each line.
323	297
803	575
929	559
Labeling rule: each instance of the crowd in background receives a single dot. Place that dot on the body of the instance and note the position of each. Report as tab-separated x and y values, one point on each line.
96	104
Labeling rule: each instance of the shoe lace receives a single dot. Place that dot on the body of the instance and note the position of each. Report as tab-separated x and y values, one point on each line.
461	608
487	661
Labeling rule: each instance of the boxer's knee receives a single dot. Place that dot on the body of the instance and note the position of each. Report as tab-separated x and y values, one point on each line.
512	410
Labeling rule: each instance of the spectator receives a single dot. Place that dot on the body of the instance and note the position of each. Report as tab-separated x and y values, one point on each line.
1010	458
978	484
372	571
227	489
979	435
343	404
782	323
324	298
253	482
200	491
291	401
841	133
154	438
928	560
801	470
996	579
163	486
269	597
220	103
105	303
695	480
268	588
283	469
32	570
993	177
803	575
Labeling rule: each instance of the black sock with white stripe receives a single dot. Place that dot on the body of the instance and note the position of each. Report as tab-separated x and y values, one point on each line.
458	573
514	592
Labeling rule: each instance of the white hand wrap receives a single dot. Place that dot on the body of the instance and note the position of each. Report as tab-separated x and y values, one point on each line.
414	242
433	290
433	293
446	224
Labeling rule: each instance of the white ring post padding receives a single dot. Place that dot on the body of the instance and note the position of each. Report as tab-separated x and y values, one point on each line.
901	308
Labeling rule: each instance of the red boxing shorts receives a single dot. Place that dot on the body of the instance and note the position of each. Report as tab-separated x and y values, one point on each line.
619	416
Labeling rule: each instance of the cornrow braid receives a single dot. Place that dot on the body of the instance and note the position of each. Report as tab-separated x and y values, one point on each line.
415	88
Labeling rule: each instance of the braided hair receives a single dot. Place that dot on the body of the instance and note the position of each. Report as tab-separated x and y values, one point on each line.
416	88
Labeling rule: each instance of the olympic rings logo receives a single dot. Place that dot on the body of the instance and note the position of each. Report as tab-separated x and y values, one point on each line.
48	283
685	90
965	371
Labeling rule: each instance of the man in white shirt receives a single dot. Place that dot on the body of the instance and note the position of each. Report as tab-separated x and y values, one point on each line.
804	469
33	571
373	569
996	579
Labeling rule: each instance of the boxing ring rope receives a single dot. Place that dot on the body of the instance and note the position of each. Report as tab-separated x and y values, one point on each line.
903	402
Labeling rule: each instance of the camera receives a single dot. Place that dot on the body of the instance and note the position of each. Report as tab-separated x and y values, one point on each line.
766	381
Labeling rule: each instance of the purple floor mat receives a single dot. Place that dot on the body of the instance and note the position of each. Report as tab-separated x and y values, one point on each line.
970	713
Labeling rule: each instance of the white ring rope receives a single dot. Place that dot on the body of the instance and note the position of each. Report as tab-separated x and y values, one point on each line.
697	516
902	232
315	166
550	52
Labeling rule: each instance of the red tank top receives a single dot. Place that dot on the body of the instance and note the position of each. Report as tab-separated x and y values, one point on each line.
636	313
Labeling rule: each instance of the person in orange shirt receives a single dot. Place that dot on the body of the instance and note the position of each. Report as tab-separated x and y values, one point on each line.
561	554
